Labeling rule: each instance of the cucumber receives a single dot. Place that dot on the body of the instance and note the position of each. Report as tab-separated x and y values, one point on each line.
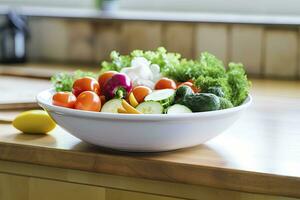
112	106
181	92
202	102
177	109
150	107
165	97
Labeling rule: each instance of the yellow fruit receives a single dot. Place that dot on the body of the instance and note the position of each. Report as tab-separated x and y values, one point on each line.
34	122
132	100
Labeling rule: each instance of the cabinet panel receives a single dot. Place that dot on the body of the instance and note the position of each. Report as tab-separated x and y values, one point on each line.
281	56
140	35
246	47
178	37
13	187
212	38
42	189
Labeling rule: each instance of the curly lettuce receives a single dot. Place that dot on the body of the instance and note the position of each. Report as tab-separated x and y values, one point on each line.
63	81
207	71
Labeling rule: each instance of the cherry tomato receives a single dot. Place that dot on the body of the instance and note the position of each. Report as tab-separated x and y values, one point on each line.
140	92
103	99
191	85
88	100
103	78
64	99
165	83
85	84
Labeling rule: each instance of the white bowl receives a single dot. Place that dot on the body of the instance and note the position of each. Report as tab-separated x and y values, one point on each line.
142	132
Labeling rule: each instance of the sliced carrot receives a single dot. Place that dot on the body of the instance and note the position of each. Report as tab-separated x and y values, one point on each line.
129	108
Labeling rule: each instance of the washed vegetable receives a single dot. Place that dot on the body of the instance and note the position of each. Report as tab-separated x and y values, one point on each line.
34	122
165	83
142	72
160	57
64	81
150	107
203	84
140	92
201	102
104	77
181	92
132	100
102	99
64	99
164	97
122	110
191	85
88	101
129	108
225	103
85	84
238	83
215	90
119	86
207	71
178	109
112	106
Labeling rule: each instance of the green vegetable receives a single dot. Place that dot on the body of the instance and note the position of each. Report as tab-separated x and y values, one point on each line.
165	97
238	82
177	109
225	103
150	107
201	102
215	90
161	57
112	106
64	81
181	92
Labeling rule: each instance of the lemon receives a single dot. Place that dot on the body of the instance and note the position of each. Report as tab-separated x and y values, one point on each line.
34	122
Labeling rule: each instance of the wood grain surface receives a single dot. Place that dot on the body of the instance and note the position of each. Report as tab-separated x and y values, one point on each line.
260	153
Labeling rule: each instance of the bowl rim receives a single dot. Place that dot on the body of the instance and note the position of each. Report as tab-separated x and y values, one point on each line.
45	103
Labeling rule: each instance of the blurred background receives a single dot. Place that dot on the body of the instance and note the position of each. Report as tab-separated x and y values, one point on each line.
39	37
261	34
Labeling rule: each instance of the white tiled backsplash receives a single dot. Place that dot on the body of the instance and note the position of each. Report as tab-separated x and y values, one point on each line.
265	51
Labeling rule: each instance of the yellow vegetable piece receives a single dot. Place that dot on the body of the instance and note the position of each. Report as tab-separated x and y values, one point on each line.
34	122
129	108
122	110
132	100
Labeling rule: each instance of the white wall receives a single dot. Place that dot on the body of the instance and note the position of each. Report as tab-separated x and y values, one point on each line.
286	7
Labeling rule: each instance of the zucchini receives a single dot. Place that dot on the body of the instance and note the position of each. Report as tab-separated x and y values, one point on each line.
112	106
150	107
165	97
178	109
201	102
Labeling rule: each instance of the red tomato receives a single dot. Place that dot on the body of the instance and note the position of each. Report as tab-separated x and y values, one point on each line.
103	78
191	85
165	83
140	92
64	99
88	101
85	84
103	99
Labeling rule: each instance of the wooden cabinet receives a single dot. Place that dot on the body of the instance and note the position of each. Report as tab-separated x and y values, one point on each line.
19	181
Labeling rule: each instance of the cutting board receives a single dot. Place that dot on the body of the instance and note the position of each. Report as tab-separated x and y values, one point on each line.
20	92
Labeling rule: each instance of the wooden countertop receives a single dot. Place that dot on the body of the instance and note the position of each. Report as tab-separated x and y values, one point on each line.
260	153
